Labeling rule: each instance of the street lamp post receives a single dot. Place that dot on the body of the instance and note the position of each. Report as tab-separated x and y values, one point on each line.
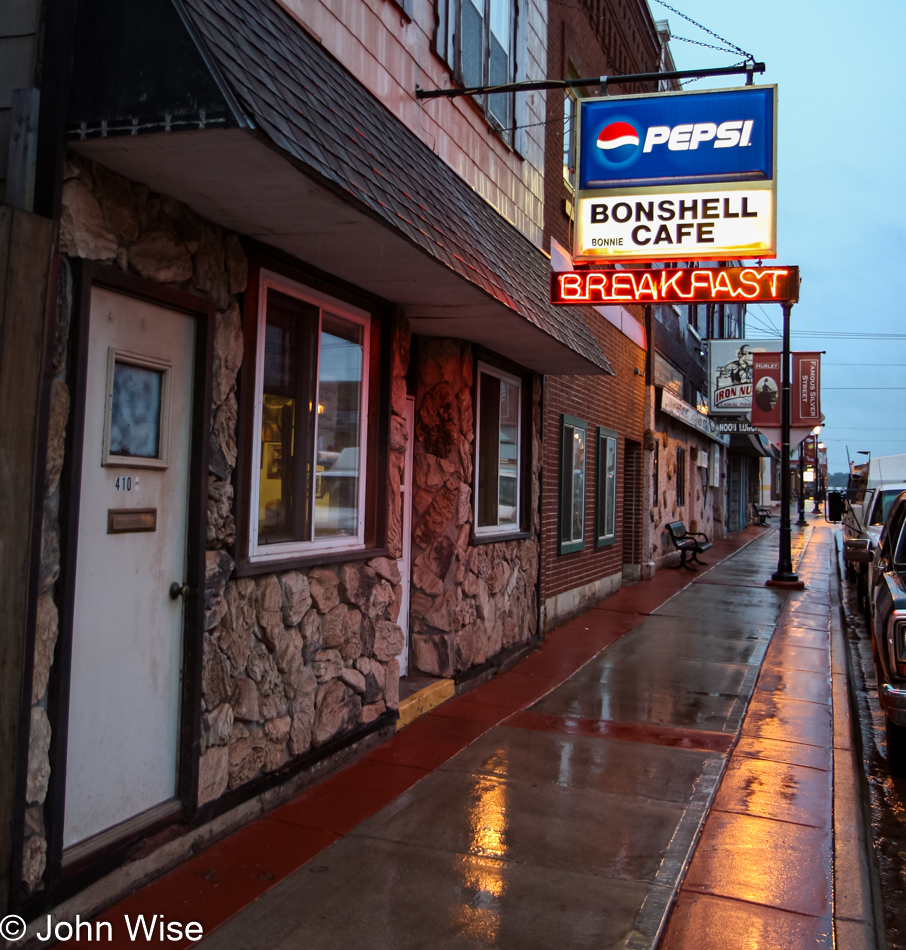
802	522
785	575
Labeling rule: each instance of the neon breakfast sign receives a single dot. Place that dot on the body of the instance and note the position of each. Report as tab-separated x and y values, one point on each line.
677	285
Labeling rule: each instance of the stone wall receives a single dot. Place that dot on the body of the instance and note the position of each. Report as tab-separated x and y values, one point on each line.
292	660
469	601
702	508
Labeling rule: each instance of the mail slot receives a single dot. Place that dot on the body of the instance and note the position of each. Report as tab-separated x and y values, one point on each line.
131	520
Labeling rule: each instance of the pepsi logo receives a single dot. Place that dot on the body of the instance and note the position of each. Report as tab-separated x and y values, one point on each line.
618	142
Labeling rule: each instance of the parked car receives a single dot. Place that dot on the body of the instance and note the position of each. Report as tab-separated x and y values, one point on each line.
888	629
869	498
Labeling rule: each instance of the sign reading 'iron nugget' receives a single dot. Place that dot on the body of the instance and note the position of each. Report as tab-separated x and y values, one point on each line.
677	285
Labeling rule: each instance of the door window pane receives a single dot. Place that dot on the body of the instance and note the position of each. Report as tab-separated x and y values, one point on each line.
573	454
284	489
576	524
473	40
135	411
610	490
606	487
339	428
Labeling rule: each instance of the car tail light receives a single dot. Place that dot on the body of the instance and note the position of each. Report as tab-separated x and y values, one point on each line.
898	635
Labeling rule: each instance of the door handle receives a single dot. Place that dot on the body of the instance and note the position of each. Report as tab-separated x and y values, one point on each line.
178	590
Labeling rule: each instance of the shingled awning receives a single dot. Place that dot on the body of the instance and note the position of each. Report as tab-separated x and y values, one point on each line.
292	150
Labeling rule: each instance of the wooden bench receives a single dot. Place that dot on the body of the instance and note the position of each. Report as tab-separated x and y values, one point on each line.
687	542
762	514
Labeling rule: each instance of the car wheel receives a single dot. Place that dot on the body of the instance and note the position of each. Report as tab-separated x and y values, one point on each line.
896	748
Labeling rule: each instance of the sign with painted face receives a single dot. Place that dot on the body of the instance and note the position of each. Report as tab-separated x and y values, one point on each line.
677	176
766	402
731	373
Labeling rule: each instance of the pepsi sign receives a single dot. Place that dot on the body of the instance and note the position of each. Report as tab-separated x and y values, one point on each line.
677	138
677	176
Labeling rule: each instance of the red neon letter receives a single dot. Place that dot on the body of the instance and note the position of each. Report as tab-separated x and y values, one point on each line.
621	287
723	283
647	286
702	278
749	281
775	275
666	284
596	281
570	286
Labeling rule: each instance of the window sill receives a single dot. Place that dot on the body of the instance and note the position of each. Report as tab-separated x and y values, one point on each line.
570	547
500	536
605	542
247	568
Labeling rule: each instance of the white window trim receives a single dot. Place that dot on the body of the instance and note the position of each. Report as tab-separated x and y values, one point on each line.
498	530
259	553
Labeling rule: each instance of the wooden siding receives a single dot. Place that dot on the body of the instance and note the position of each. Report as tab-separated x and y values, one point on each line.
391	54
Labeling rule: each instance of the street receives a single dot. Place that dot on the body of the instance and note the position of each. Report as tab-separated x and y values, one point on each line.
887	796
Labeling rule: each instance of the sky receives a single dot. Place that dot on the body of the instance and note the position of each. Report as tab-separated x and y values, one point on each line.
841	216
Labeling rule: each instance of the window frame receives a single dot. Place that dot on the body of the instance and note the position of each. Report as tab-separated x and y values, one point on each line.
482	533
606	492
570	137
447	44
568	425
256	552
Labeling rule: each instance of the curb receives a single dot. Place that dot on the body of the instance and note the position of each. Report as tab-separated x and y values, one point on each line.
857	913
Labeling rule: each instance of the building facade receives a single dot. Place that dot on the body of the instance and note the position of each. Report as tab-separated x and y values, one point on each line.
287	407
592	477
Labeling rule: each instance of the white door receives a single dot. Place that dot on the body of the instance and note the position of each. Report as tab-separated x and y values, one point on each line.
127	646
405	562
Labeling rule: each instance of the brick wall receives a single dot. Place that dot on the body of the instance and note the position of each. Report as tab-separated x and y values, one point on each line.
615	402
593	38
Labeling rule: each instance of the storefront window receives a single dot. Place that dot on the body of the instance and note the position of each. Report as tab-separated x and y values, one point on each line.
573	451
605	532
498	472
310	423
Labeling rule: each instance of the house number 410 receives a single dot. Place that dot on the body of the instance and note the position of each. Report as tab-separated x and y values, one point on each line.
126	483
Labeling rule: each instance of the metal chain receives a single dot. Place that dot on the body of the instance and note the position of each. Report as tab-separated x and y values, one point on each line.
716	36
685	39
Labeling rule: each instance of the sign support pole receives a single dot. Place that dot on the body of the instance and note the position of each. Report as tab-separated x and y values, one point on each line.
801	523
785	576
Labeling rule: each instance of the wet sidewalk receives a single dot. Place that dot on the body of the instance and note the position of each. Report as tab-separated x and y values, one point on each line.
671	748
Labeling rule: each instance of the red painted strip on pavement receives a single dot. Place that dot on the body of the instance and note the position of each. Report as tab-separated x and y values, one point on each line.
697	739
214	886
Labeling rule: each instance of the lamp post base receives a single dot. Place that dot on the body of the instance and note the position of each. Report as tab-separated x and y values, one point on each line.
785	581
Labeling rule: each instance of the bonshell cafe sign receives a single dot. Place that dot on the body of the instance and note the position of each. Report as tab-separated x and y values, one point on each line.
677	176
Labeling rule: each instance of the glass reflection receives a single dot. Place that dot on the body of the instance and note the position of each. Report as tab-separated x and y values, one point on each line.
135	411
482	880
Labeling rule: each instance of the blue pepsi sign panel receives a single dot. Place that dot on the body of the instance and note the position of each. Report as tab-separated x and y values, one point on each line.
677	138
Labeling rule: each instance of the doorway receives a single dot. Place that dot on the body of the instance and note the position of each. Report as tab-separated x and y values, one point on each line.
130	577
405	562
